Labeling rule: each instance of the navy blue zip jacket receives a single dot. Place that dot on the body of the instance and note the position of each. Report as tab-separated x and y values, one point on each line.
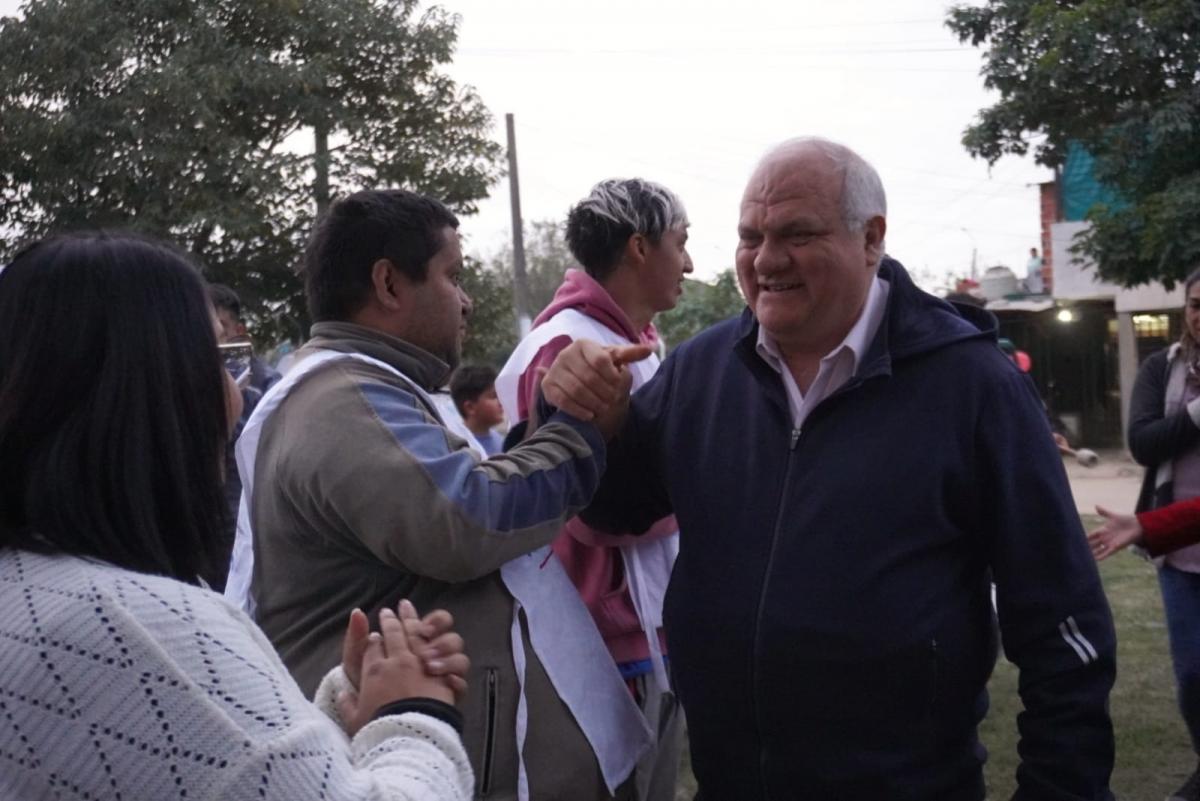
829	618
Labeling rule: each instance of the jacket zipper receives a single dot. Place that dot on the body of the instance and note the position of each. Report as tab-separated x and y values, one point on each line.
762	604
489	742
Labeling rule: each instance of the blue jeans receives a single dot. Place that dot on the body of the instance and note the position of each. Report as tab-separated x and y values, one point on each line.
1181	601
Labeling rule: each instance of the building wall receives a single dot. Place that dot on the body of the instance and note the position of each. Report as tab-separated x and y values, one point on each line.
1048	198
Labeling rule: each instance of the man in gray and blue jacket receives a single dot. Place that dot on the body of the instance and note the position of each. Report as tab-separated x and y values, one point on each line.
360	496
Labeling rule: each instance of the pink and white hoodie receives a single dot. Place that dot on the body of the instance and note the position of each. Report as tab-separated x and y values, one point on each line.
592	559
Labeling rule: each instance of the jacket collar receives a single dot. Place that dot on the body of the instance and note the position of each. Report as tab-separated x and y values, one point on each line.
428	371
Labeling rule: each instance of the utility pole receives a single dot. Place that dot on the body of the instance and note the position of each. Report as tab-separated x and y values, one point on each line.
321	165
520	286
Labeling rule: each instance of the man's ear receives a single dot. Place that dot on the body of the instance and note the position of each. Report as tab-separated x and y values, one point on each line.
874	231
389	285
635	249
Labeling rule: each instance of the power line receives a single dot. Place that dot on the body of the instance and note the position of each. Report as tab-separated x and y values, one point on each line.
675	52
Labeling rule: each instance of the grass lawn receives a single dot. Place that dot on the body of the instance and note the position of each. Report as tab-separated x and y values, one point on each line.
1153	755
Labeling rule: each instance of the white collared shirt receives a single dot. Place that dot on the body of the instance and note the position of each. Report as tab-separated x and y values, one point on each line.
837	366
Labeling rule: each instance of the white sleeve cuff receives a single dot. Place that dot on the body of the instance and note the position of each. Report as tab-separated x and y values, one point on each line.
334	683
419	747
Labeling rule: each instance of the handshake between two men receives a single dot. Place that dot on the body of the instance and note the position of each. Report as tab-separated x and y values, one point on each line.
591	381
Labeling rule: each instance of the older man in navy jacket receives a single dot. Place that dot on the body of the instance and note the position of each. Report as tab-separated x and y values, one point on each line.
852	463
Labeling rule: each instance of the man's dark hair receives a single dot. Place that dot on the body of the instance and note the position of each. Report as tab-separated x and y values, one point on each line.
469	382
225	298
359	230
599	226
112	406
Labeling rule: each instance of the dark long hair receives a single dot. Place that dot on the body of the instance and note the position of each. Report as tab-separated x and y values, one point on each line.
112	406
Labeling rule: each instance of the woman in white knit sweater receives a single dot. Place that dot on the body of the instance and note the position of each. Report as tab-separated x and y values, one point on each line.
121	676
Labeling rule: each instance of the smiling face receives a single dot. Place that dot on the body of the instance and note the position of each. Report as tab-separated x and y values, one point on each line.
804	273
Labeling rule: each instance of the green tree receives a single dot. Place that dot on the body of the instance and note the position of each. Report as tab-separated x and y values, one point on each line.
1123	80
492	327
701	305
547	259
223	125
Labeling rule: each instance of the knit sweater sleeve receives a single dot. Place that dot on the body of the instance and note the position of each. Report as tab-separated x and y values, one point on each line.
134	686
409	757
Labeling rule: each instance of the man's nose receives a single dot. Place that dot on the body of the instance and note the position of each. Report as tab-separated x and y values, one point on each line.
467	305
771	256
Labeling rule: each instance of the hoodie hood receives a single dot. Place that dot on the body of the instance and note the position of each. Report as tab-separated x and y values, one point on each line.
918	322
582	292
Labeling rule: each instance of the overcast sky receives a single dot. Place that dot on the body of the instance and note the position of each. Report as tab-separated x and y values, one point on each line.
690	92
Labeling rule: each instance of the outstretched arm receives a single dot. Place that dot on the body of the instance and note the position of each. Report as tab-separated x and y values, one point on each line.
386	474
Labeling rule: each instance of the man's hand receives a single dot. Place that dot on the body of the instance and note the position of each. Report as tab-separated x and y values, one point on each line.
1118	532
590	381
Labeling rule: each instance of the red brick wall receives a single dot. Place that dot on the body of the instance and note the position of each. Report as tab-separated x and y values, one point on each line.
1050	215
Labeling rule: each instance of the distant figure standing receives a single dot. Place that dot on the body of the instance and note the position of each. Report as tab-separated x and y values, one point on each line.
473	389
1034	284
1164	437
233	329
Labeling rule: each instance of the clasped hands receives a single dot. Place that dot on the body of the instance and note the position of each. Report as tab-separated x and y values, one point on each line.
591	382
409	657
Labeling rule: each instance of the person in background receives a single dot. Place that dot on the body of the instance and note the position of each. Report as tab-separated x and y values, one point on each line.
630	237
120	675
233	330
253	385
473	390
1164	437
1035	283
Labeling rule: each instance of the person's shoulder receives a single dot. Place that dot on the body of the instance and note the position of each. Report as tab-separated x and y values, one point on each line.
108	605
1158	359
340	388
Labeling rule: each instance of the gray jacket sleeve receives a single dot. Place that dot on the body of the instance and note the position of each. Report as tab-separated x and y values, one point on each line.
392	477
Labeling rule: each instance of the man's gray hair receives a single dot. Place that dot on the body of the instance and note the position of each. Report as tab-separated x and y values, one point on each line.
599	225
862	190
